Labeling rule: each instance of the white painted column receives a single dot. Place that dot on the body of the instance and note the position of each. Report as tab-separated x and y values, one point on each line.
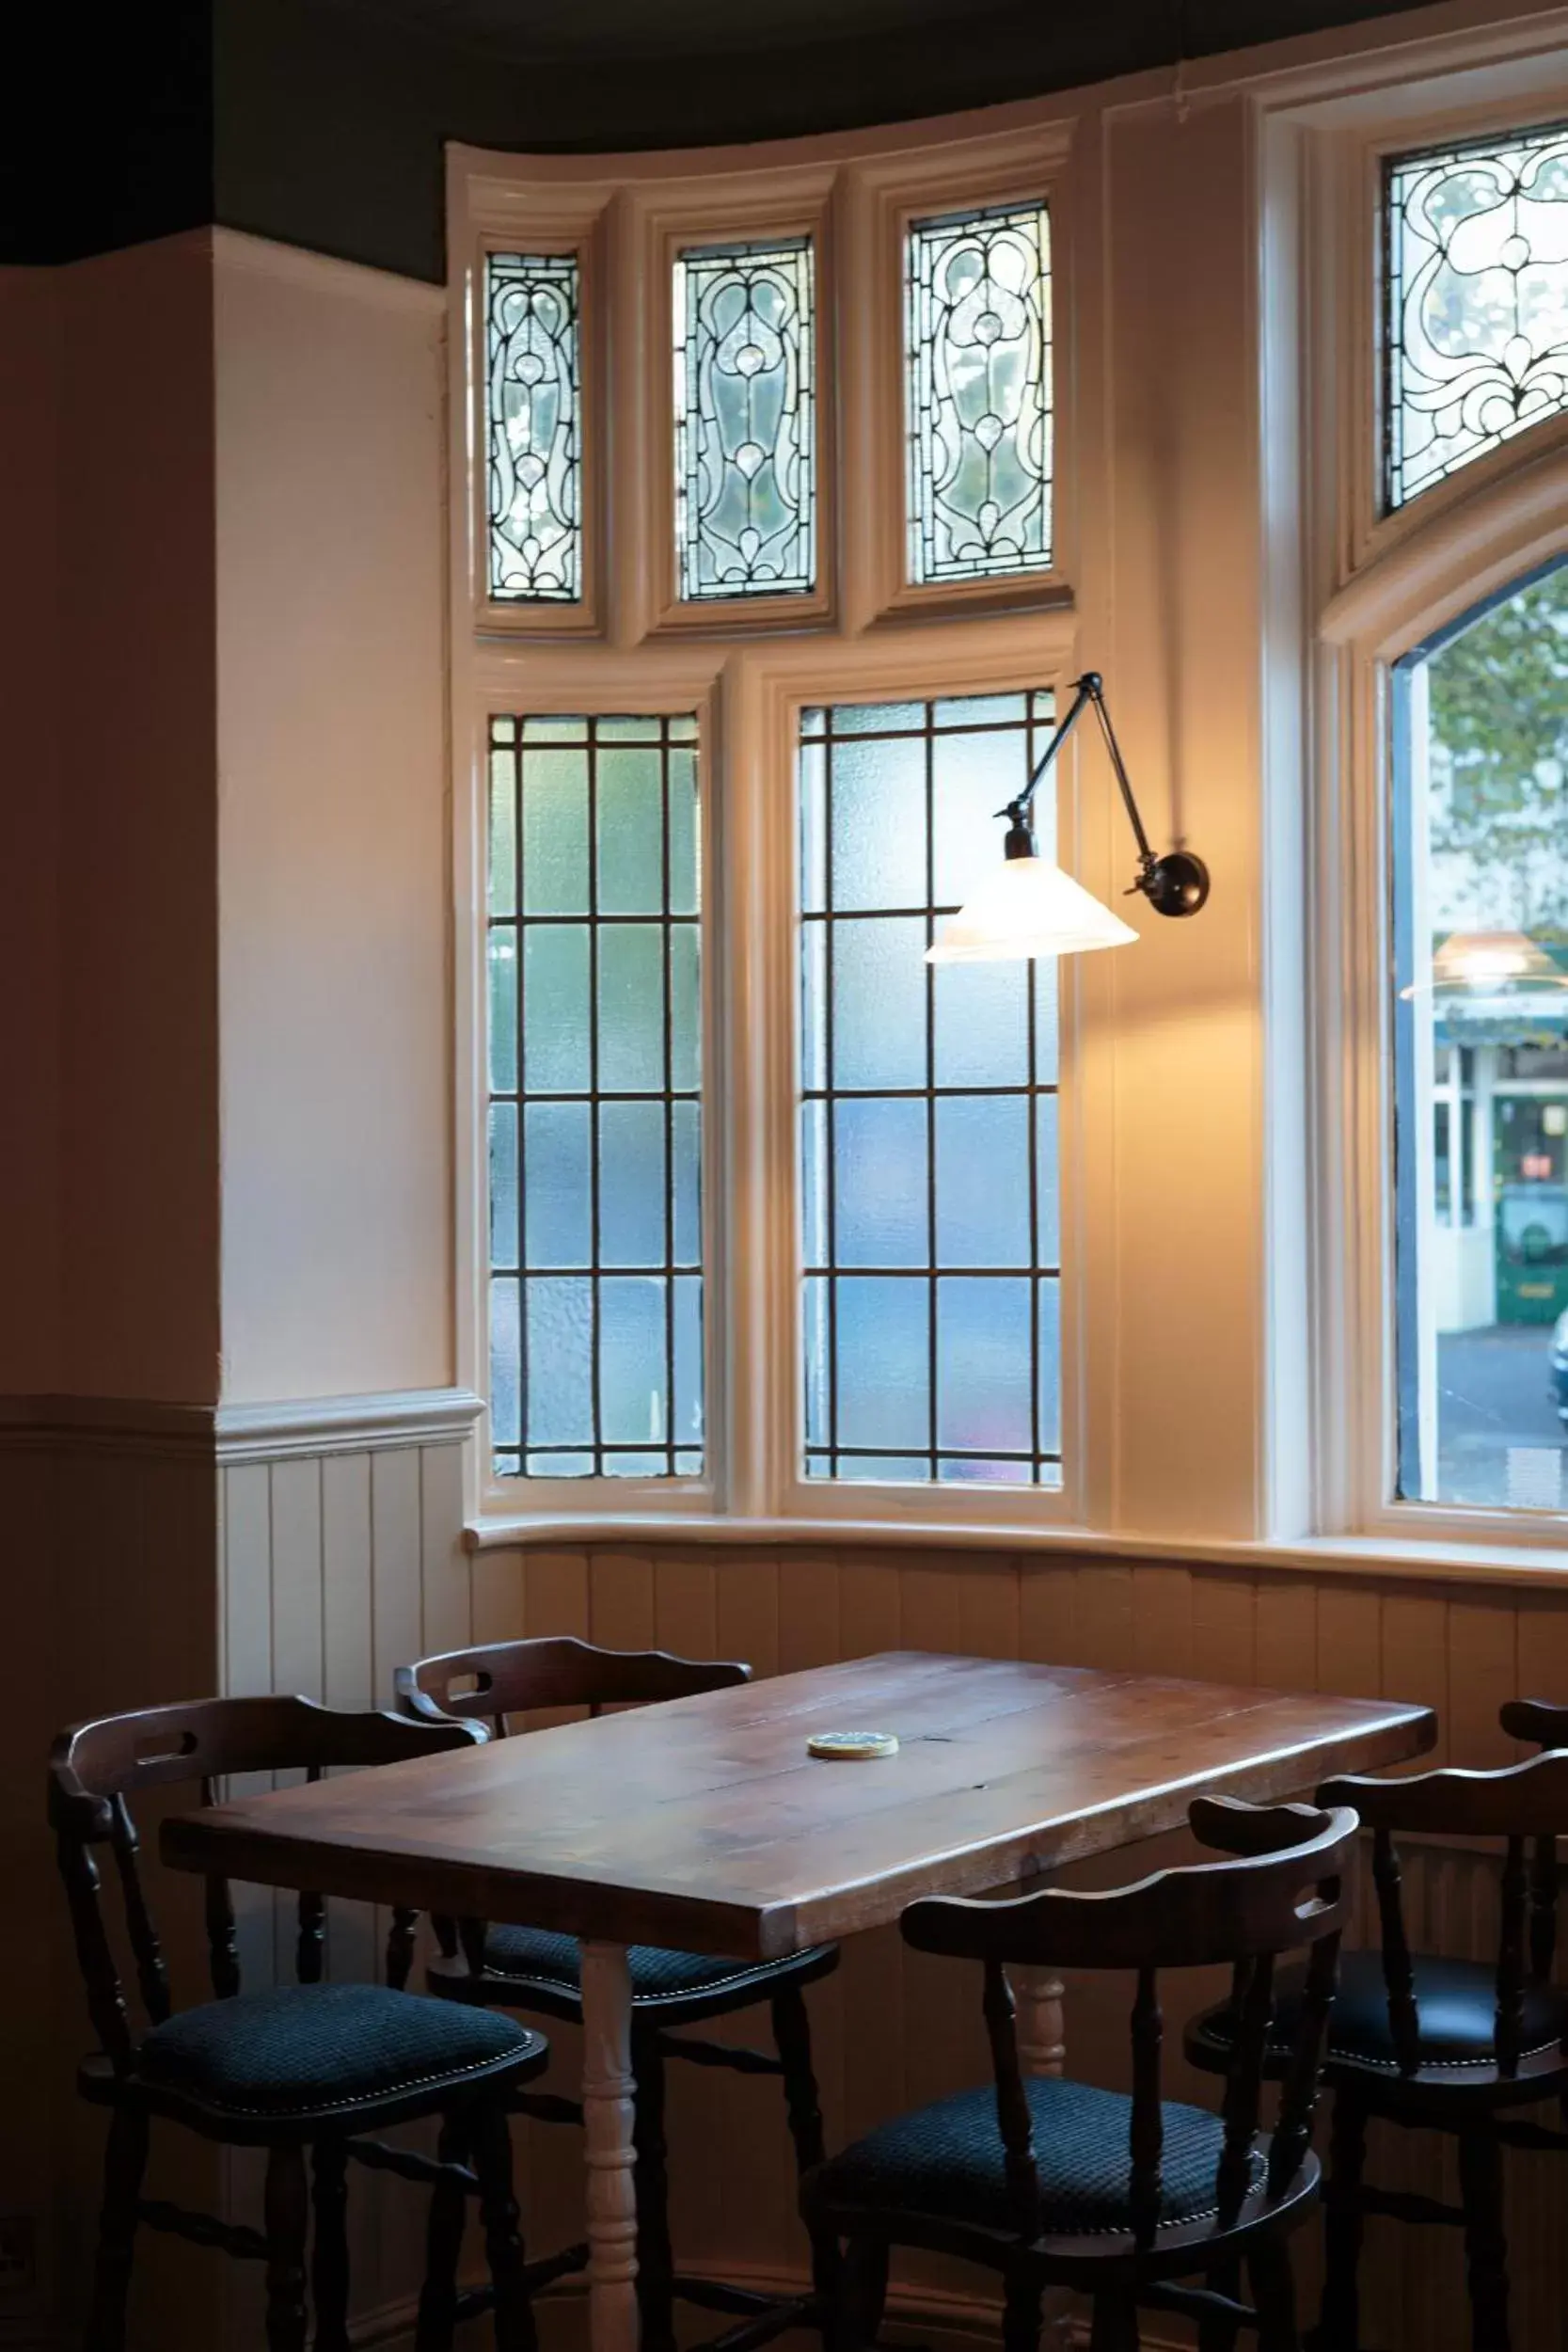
607	2118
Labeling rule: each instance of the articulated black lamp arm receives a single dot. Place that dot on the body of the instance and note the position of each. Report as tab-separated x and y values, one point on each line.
1176	883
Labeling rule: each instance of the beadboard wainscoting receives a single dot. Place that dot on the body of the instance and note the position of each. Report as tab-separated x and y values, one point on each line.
340	1566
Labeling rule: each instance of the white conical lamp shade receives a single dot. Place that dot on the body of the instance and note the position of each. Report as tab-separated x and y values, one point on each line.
1028	907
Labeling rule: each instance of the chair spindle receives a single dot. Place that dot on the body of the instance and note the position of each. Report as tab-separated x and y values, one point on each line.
1298	2100
1243	2090
1543	1911
1016	2121
311	1942
151	1972
1148	2135
1399	1974
1511	1958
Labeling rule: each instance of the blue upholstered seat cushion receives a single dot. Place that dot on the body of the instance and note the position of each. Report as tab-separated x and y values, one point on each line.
657	1974
946	2159
1456	2002
305	2047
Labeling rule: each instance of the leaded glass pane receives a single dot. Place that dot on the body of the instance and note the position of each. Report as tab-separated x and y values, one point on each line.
978	398
928	1185
534	427
596	1109
1476	317
745	400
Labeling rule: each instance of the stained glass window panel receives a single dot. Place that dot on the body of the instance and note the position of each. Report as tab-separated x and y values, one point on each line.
928	1182
745	420
1476	294
534	427
978	395
596	1110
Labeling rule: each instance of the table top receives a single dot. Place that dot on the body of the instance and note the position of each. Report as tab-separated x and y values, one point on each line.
704	1823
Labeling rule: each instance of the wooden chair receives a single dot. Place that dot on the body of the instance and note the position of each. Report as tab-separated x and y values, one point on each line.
1053	2182
527	1969
297	2067
1436	2045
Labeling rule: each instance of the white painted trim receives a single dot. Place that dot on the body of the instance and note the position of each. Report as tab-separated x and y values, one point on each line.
295	1429
1369	1558
325	273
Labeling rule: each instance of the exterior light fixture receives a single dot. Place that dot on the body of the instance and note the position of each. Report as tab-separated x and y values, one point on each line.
1029	907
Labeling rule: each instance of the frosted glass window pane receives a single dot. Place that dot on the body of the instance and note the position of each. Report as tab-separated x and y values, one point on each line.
980	1018
686	1309
558	1339
503	1184
631	1183
555	831
882	1345
978	394
557	1151
555	1008
630	797
632	1007
984	1368
745	461
596	1156
983	1180
879	824
1476	302
882	1198
684	1007
634	1391
927	1126
879	1002
505	1407
502	959
685	840
533	427
503	844
685	1142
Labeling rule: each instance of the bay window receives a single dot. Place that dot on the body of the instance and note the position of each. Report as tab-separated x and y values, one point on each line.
764	1207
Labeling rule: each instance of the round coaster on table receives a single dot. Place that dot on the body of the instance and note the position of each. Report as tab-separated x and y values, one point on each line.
852	1747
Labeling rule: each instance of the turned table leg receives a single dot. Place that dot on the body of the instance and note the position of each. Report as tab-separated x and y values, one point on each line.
608	2121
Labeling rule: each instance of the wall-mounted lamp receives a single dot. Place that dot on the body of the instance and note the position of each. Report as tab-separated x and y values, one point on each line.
1029	907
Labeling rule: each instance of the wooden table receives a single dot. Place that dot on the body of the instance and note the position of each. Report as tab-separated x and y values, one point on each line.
704	1823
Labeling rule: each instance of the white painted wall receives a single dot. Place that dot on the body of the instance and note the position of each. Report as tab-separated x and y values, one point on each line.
332	854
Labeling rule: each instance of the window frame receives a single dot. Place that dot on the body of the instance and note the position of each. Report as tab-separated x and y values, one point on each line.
1352	591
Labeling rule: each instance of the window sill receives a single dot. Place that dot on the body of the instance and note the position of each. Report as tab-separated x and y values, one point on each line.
1538	1567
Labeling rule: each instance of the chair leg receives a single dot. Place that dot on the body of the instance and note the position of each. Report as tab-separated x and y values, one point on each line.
503	2245
792	2034
124	2162
827	2286
863	2292
1274	2292
656	2262
437	2323
329	2249
1481	2175
1021	2316
1340	2314
287	2202
1116	2324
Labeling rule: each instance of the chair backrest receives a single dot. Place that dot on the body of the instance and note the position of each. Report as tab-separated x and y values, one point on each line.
1520	1803
1282	1890
96	1767
492	1683
1539	1721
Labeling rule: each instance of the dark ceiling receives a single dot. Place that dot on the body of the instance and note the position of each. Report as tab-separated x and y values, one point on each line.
323	124
522	31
